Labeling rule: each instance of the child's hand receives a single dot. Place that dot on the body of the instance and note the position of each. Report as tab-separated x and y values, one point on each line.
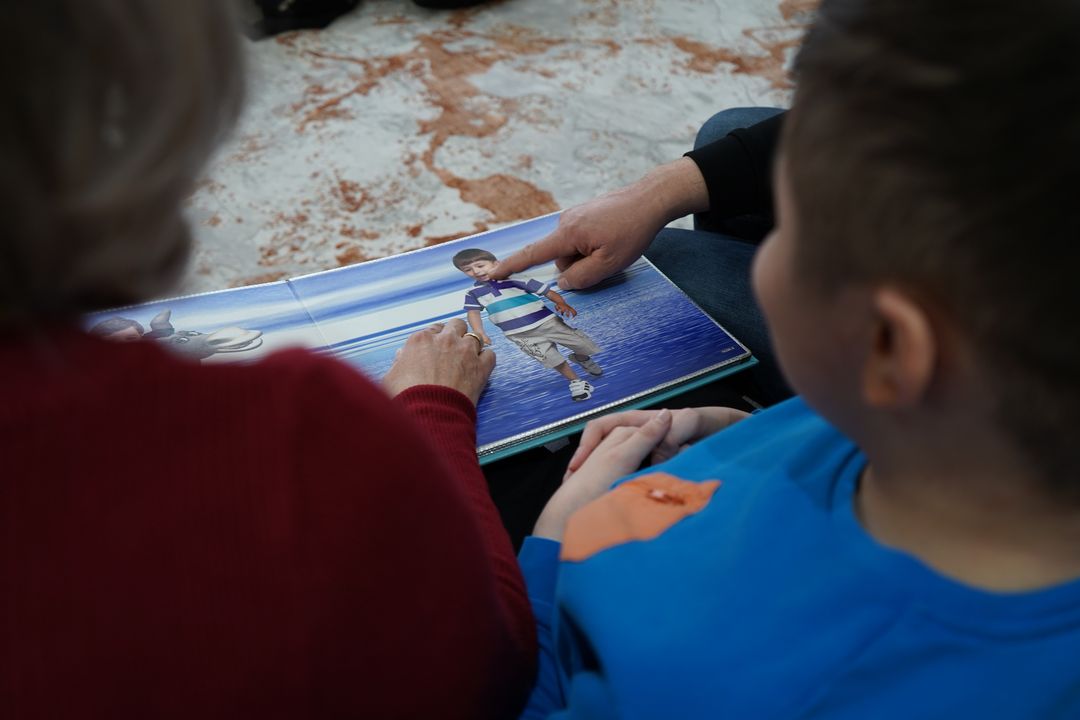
620	453
565	310
483	336
687	426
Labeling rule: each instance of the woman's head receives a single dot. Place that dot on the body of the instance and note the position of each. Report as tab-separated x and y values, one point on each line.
112	107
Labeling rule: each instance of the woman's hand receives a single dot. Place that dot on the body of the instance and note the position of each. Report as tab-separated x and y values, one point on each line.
687	426
441	355
621	452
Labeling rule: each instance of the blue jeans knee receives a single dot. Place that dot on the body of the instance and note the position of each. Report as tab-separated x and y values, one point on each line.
723	122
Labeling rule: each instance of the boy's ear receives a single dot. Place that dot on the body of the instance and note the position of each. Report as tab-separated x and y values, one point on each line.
903	351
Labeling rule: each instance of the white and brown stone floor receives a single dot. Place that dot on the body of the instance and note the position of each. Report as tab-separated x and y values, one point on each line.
398	127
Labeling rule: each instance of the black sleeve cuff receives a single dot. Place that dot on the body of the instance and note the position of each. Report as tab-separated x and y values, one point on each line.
738	169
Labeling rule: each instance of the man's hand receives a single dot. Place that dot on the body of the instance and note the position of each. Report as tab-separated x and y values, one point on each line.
687	426
605	235
441	355
618	454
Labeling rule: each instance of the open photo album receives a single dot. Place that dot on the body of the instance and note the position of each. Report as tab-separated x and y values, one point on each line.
563	357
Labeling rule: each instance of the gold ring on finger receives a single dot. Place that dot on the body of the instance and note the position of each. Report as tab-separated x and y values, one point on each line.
478	339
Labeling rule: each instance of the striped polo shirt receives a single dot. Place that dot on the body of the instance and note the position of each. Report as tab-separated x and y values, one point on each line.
513	305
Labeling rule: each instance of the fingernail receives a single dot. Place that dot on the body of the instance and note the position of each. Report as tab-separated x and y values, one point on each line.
664	415
564	284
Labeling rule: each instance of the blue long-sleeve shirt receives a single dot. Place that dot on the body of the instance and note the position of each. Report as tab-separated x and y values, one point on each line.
762	597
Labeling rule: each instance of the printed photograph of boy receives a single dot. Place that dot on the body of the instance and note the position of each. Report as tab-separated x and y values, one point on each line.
366	312
517	308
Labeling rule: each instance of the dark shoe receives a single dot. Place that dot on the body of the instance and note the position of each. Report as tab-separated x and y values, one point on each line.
588	364
448	4
280	16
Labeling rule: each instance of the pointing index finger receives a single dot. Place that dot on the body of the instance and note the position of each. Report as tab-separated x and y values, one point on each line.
541	251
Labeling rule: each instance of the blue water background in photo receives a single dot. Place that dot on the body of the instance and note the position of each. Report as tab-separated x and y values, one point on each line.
649	331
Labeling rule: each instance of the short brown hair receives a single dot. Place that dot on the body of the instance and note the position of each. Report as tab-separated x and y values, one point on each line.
111	109
937	145
464	257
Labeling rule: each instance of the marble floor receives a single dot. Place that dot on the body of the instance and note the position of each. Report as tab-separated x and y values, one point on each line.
399	127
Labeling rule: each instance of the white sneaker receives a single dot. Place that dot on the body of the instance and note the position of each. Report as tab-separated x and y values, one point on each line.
588	364
580	390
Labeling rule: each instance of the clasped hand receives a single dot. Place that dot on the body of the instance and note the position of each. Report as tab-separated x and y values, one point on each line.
616	445
687	426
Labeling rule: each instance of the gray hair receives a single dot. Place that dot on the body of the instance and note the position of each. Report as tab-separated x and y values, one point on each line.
114	325
112	109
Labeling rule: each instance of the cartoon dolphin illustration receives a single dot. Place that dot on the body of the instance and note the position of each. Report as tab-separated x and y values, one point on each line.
188	343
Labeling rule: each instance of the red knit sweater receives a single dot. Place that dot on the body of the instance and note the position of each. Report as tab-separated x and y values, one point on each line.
272	540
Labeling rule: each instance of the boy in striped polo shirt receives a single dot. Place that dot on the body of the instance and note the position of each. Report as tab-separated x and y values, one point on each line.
516	307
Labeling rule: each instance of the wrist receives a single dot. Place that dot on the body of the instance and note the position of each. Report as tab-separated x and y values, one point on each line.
552	521
427	395
675	189
715	419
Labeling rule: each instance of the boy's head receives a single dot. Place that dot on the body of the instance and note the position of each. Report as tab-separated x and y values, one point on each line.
931	164
475	263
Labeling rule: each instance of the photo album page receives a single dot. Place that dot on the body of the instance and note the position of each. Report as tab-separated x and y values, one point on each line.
563	357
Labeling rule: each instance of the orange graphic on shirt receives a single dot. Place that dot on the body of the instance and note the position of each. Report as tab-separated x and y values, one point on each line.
640	509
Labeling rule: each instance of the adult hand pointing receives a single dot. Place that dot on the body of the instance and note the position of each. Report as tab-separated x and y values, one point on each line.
604	235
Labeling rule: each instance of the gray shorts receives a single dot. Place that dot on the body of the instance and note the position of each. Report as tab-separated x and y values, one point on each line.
540	342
